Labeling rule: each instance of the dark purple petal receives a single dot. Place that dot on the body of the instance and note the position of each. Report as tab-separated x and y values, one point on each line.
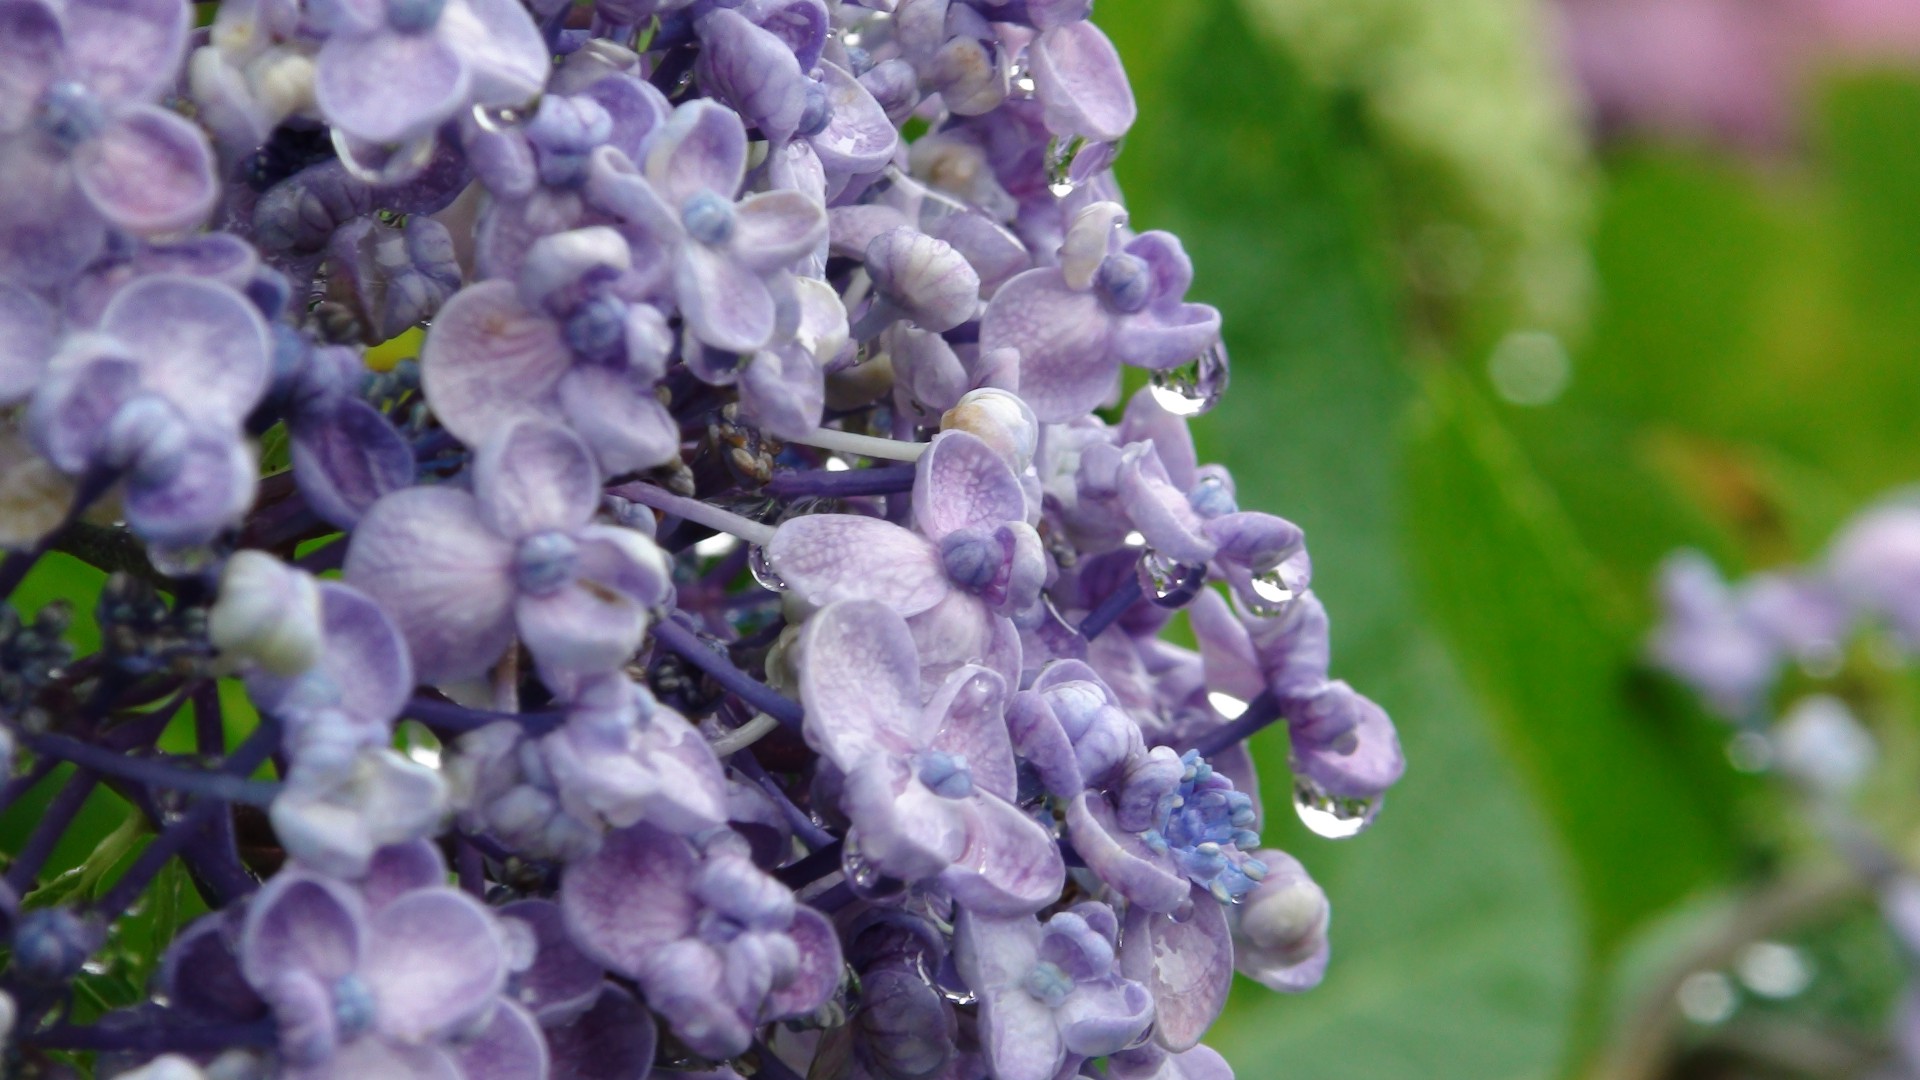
31	44
399	869
613	1040
207	489
347	458
1362	763
510	1047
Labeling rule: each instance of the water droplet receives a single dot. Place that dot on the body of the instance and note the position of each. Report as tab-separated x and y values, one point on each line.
1272	592
497	118
383	165
1168	582
1194	387
763	571
864	878
716	546
1707	997
1331	816
1774	970
1226	704
1059	160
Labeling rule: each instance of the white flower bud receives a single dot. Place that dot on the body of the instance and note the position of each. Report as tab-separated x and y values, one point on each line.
268	613
1001	420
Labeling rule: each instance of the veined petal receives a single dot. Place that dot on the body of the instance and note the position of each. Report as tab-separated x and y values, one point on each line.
1062	337
434	960
489	362
831	557
510	1047
1011	865
860	683
723	300
702	147
1186	964
150	171
302	922
773	228
498	41
1080	83
535	476
580	629
201	345
126	50
961	483
427	556
631	897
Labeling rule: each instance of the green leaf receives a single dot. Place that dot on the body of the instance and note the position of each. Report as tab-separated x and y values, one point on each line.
1510	580
85	881
1451	917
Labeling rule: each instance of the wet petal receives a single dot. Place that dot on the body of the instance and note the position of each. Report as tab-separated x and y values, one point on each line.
1186	965
1011	864
859	139
961	483
830	557
1080	83
860	683
498	41
613	1040
968	713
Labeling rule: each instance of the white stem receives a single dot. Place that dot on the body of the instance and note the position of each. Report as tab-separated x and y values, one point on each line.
745	735
846	442
726	521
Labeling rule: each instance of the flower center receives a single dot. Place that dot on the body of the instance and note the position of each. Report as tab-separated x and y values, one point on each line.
545	562
414	16
70	114
971	558
352	1006
708	218
1047	984
596	330
947	774
1125	282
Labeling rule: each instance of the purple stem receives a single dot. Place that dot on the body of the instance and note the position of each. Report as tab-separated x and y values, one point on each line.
455	719
473	872
249	756
772	1067
1264	709
844	483
803	826
687	645
213	856
1109	610
153	772
812	868
24	783
53	824
155	1039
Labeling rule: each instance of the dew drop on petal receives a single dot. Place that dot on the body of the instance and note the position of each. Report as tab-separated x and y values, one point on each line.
383	166
1194	387
1330	815
763	571
1167	582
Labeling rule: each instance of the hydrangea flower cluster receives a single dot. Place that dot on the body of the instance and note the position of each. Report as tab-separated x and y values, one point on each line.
732	646
1797	660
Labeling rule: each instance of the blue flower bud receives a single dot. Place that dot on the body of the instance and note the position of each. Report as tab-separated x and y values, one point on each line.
947	774
708	218
70	114
1125	282
544	562
1047	983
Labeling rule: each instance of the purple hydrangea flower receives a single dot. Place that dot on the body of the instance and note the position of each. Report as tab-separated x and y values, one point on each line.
461	573
928	788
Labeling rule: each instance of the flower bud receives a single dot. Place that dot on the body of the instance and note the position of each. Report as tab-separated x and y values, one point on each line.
267	612
999	419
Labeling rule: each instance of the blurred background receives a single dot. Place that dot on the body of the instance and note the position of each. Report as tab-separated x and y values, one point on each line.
1521	297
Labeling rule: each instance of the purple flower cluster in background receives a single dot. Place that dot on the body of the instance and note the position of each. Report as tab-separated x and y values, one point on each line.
1797	660
732	647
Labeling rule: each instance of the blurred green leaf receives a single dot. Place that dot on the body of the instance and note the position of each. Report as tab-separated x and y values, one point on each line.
1451	918
1509	578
